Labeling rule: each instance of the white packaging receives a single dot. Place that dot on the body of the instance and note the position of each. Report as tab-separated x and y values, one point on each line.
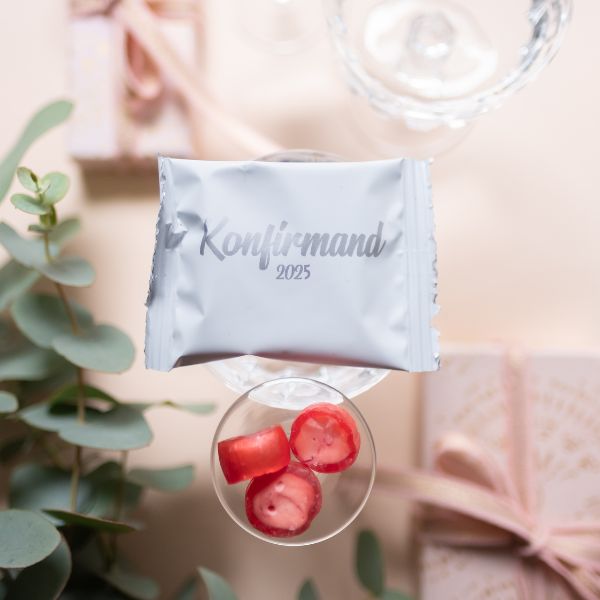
324	262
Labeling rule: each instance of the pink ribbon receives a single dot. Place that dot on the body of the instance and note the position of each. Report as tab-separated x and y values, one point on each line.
473	502
150	61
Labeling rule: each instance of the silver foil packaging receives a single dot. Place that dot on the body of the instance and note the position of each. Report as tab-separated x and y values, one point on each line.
325	262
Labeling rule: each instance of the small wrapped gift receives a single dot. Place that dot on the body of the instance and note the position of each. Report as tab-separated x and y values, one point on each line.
126	110
138	86
510	488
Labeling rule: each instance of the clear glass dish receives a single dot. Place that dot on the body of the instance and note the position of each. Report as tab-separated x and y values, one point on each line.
428	68
245	372
344	494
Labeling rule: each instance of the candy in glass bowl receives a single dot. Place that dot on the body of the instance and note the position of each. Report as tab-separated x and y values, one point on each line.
293	461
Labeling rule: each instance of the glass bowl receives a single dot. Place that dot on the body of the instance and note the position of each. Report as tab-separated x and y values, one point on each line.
245	372
279	402
427	68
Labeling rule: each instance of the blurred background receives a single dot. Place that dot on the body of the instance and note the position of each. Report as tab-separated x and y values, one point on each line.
517	219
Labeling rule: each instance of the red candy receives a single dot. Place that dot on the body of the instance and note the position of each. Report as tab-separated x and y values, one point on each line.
249	456
283	504
324	437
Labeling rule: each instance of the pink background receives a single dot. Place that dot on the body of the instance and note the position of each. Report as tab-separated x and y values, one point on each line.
517	217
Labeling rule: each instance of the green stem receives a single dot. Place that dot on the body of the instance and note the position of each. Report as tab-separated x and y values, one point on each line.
120	495
68	309
76	470
119	499
80	396
47	247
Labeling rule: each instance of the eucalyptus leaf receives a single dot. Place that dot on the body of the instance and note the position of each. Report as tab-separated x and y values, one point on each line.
217	587
70	394
68	270
100	348
46	417
308	591
48	117
37	487
15	279
45	580
174	479
121	428
27	362
89	522
28	179
64	231
107	495
28	204
56	186
109	490
369	563
28	252
43	317
188	590
394	595
8	402
130	583
26	538
202	408
39	228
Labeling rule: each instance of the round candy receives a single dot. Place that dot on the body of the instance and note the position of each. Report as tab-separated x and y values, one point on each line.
283	504
325	438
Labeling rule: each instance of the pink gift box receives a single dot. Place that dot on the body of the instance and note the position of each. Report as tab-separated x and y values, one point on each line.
536	418
113	123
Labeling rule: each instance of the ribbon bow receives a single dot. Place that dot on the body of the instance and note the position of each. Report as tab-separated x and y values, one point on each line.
474	503
150	61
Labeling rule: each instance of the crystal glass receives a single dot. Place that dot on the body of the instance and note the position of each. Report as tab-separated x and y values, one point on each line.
278	402
423	70
245	372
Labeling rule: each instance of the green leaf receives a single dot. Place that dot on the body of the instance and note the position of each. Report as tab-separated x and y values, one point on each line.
28	204
27	362
133	585
68	270
188	590
45	580
27	538
42	317
122	428
194	408
64	231
70	394
89	522
8	402
369	563
28	179
166	480
15	279
56	186
100	348
217	587
48	117
37	487
394	595
28	252
308	591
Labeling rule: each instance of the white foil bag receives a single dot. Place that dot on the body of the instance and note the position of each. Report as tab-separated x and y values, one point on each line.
324	262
